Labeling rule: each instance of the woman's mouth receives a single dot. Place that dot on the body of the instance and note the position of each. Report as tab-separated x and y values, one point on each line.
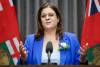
48	22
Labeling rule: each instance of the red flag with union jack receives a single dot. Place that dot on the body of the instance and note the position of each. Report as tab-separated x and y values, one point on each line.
9	33
91	27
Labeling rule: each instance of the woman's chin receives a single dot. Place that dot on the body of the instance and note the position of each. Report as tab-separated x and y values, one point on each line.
49	28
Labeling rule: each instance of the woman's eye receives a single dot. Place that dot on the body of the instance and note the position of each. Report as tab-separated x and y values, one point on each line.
51	14
43	15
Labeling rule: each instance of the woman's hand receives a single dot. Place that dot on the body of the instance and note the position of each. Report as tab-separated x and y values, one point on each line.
23	51
83	52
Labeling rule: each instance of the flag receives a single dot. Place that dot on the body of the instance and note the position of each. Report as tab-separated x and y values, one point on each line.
9	33
91	27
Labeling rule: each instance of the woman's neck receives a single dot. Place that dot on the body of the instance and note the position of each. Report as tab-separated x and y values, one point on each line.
50	34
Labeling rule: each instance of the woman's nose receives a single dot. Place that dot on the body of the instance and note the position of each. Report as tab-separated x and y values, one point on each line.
47	17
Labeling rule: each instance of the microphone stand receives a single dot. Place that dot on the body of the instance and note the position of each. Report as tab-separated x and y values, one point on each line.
49	61
49	55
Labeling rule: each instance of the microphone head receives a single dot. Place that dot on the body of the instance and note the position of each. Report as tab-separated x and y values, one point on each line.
49	47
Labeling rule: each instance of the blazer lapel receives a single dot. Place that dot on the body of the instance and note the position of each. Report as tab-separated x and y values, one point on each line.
65	57
62	57
38	50
65	54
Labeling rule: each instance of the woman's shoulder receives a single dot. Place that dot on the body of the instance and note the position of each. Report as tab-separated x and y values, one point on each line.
69	34
72	37
30	36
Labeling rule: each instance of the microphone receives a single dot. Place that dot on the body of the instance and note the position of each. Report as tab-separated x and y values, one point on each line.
49	50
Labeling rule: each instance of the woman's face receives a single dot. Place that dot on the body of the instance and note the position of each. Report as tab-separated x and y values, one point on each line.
49	18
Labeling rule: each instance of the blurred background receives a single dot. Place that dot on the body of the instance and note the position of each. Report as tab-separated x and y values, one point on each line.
72	11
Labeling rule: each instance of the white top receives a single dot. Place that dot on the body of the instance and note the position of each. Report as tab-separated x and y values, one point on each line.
55	56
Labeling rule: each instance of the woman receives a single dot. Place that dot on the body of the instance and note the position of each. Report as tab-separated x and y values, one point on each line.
65	45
